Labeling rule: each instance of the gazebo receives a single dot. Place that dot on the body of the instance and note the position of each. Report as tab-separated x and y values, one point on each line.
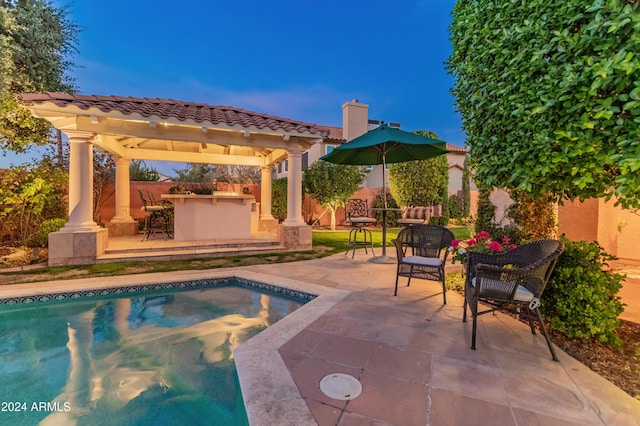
167	130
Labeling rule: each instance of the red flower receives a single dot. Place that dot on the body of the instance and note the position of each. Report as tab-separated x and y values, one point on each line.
505	240
511	246
471	242
482	234
455	243
495	246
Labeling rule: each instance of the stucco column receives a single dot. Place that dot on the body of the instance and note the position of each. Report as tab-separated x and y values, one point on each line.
265	193
80	183
123	192
294	188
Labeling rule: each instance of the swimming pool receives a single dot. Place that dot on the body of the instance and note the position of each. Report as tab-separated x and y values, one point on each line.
131	356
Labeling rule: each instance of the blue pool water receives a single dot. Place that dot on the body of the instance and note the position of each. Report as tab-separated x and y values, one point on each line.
138	358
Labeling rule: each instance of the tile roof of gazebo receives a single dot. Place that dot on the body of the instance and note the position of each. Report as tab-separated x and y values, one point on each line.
170	108
171	130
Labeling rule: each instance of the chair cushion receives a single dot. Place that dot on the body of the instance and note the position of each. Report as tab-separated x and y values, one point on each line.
522	293
416	213
421	260
362	220
414	221
152	208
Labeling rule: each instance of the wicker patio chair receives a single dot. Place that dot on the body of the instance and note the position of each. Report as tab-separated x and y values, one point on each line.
356	211
512	281
422	253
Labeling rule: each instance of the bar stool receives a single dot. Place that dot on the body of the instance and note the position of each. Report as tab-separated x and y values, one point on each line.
356	216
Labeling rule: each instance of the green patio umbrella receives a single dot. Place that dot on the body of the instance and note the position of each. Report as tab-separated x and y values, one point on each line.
384	145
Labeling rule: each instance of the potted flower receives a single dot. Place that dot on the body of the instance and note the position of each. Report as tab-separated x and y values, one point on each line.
480	243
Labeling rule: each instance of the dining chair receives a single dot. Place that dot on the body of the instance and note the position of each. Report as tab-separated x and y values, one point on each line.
511	281
422	253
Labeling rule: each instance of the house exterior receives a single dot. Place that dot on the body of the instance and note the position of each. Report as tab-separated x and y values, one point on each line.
355	123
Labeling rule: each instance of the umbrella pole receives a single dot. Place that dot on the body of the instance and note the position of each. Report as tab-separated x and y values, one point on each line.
384	211
384	258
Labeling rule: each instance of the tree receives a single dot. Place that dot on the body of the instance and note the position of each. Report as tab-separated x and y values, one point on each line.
30	195
139	171
549	97
37	41
195	172
241	175
466	189
103	172
279	198
332	184
420	183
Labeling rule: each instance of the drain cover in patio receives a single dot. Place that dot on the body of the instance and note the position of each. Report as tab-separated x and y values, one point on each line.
340	386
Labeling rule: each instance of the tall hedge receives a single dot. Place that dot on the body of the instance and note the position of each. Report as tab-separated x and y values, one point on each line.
549	93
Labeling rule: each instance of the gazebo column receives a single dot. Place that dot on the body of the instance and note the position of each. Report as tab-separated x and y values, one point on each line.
122	223
294	232
81	240
267	222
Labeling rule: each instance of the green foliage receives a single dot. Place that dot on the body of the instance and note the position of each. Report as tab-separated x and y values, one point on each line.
195	172
486	212
420	183
41	239
549	96
581	298
466	189
200	188
279	198
535	218
140	172
37	41
392	217
332	184
455	207
439	220
455	281
29	196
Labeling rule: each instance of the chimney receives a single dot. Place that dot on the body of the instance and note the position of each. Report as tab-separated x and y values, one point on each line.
355	117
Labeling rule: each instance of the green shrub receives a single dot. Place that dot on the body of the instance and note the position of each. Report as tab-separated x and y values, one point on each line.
279	198
581	298
486	212
455	207
439	220
41	239
455	281
392	217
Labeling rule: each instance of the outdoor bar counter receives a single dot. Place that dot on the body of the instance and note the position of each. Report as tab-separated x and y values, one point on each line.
223	215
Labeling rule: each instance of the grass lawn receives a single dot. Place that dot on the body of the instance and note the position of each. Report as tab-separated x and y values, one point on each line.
325	243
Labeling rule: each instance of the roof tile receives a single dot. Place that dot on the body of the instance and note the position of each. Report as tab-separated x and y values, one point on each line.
170	108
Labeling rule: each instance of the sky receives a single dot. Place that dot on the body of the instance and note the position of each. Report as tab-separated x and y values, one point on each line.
290	58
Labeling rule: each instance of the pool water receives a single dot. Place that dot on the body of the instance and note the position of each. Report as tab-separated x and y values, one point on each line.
162	358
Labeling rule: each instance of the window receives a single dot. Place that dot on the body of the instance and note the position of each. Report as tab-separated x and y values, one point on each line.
286	165
329	148
305	160
279	167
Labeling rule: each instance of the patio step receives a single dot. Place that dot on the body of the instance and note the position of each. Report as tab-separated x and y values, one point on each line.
170	250
192	247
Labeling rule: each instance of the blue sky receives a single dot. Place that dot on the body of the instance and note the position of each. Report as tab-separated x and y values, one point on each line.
295	59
